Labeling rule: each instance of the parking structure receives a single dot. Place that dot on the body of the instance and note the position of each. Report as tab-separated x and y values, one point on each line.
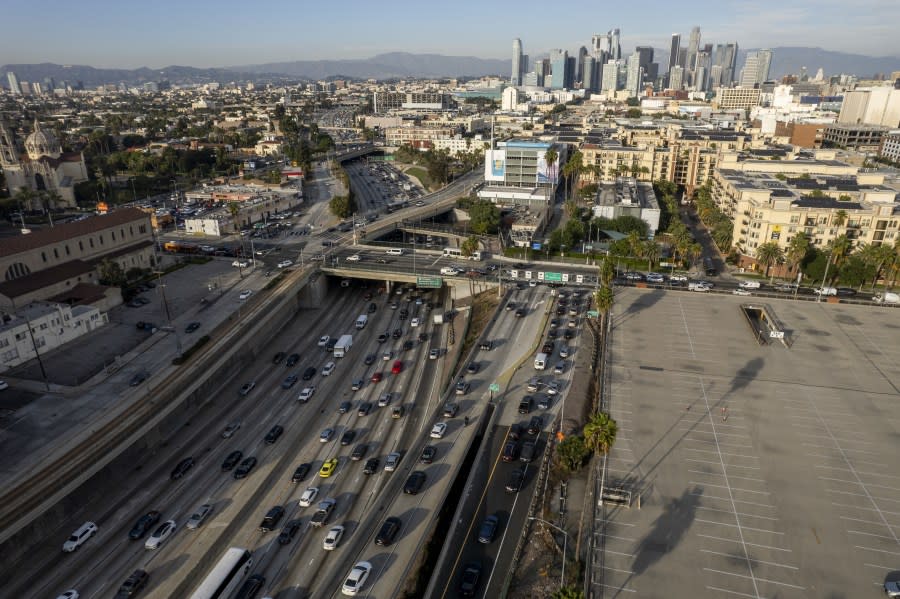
760	471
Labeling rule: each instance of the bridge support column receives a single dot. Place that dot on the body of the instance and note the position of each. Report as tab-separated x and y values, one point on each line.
387	286
312	295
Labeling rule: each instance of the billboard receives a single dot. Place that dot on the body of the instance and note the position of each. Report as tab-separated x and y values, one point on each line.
546	173
495	165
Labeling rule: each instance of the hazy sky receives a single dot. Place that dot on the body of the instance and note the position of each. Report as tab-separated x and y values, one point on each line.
201	33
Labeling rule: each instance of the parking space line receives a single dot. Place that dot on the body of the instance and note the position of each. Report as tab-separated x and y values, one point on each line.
841	480
618	553
758	480
687	330
736	500
862	494
611	569
784	584
694	482
860	520
877	550
860	472
717	463
868	534
733	455
609	586
759	561
616	522
712	509
773	532
769	547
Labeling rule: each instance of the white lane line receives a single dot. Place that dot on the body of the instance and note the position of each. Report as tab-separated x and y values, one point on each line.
611	569
852	482
771	532
877	550
712	509
757	480
769	547
730	494
619	553
619	538
617	522
877	474
784	584
868	534
609	586
694	482
734	500
717	463
758	561
875	522
862	494
687	330
734	455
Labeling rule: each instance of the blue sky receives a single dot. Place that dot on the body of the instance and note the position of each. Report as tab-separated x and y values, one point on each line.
157	33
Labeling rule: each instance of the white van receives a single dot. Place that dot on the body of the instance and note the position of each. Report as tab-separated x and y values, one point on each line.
84	532
361	321
540	361
395	252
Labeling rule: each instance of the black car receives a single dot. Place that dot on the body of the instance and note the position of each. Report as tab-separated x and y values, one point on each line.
488	529
388	532
133	584
569	334
414	483
279	358
515	431
370	359
144	524
301	472
273	434
244	469
473	367
347	437
359	452
344	407
520	313
510	306
469	583
270	521
527	453
364	408
371	466
423	337
486	345
292	359
232	460
289	382
251	587
407	345
309	373
428	454
525	405
182	468
192	327
397	333
510	451
138	378
516	477
372	308
846	291
382	337
289	531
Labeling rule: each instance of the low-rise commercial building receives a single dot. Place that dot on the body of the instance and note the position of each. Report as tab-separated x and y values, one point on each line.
522	173
627	196
890	147
863	138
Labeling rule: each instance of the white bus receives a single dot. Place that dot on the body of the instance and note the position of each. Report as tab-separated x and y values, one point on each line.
226	577
455	252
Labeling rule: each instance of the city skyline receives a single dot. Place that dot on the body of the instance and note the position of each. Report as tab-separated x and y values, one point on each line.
223	35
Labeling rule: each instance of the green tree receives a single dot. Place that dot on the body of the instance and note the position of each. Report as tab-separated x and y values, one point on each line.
797	250
634	243
600	433
568	592
341	206
484	217
633	113
839	248
606	272
110	273
551	156
469	246
570	207
769	253
856	271
572	452
650	252
839	219
604	299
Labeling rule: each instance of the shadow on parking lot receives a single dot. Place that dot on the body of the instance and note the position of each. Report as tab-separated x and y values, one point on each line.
744	377
668	530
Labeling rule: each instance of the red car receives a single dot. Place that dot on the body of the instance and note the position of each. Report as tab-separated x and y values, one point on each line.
376	377
397	367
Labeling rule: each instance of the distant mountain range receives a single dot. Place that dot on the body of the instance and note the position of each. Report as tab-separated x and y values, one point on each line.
400	64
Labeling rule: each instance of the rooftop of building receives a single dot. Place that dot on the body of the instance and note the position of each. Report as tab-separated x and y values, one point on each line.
626	191
856	127
60	233
826	202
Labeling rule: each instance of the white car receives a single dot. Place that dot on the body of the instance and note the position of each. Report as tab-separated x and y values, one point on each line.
199	516
393	459
333	538
77	538
438	430
354	258
740	292
357	578
328	368
240	264
532	283
70	594
678	278
165	530
449	271
749	285
698	286
285	263
655	277
309	496
231	429
4	385
323	340
415	322
246	293
306	393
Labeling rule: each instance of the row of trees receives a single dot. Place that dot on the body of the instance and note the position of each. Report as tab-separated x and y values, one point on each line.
436	162
720	226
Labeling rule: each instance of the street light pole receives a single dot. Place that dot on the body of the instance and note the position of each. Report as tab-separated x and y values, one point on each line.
562	579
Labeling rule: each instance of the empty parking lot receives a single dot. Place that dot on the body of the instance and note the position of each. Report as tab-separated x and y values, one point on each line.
762	471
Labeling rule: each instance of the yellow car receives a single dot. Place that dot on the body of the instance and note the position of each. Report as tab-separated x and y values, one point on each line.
328	467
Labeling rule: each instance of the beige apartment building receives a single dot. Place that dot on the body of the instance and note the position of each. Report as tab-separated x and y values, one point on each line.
774	207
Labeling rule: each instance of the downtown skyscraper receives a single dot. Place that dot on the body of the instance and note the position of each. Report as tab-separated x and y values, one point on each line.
518	64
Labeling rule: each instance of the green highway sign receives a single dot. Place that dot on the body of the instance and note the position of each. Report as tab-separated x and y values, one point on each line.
553	277
593	314
429	282
495	388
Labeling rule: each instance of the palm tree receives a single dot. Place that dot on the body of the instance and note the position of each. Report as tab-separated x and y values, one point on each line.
838	250
604	299
634	243
650	251
550	156
797	250
876	256
606	272
570	207
769	253
600	433
839	218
